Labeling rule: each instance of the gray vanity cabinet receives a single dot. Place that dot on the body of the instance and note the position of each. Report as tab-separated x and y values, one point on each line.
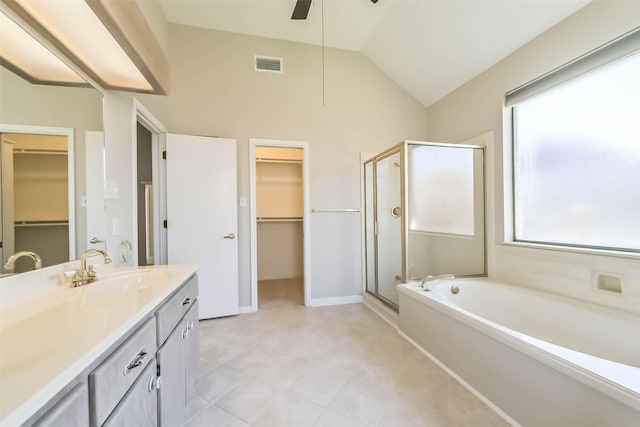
192	348
114	377
171	368
144	379
176	368
71	410
139	407
178	353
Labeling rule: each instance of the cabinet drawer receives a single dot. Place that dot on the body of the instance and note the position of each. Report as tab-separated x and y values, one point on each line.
140	406
168	316
111	380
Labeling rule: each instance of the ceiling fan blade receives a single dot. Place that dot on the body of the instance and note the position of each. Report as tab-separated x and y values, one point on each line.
301	10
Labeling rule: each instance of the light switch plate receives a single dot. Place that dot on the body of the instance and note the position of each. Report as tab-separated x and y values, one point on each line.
111	190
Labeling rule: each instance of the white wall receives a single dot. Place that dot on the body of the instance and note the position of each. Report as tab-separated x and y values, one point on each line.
119	130
216	92
280	250
476	107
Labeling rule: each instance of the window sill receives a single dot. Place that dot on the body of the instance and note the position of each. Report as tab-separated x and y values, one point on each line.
584	251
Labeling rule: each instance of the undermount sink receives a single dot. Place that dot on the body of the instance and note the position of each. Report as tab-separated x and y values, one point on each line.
119	289
128	275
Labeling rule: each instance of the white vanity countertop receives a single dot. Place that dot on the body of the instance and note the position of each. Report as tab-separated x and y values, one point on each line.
54	332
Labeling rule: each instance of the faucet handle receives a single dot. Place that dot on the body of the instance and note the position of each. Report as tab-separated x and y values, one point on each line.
78	278
91	272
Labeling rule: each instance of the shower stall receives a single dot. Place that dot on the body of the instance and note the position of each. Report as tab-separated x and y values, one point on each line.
424	214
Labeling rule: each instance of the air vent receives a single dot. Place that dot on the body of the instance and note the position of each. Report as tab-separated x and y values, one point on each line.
269	64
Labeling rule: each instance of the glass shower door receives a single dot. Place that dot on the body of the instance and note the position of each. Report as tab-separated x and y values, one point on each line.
389	226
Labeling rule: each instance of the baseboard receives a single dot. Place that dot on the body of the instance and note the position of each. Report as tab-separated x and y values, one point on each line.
323	302
385	313
245	309
465	384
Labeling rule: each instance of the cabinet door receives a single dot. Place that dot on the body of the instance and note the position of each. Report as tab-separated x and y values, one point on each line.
71	410
139	407
171	394
192	348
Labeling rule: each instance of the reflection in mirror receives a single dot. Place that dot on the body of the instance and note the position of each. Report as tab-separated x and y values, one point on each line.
37	214
35	203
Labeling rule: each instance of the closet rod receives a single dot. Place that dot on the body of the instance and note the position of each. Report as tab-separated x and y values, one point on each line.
39	223
290	161
279	219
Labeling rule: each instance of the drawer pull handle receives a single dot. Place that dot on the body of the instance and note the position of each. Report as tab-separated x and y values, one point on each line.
185	334
191	326
186	301
137	361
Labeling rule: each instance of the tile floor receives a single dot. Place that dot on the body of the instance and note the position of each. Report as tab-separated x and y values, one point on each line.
288	365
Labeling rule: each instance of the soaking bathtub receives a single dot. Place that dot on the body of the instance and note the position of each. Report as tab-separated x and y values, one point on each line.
538	359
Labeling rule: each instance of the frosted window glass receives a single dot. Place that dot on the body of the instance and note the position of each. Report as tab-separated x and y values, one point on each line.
441	190
577	161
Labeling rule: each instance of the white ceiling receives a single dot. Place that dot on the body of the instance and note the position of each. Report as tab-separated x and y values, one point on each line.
429	47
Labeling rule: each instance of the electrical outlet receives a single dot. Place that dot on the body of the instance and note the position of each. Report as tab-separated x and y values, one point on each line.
116	226
243	201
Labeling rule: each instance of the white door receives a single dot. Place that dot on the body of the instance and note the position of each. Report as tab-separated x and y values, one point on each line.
202	217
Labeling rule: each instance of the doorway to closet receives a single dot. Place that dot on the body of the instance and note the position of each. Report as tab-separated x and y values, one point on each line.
279	197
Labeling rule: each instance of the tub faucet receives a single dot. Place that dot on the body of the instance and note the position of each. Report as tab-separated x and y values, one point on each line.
431	278
86	275
11	262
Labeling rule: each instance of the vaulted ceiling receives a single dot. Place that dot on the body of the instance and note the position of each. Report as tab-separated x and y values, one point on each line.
429	47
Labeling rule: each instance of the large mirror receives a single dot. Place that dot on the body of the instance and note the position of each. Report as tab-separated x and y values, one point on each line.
52	172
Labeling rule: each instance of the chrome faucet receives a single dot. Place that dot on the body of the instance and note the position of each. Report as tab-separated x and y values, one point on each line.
431	278
86	275
11	262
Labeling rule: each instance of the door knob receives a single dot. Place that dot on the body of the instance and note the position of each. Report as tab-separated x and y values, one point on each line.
230	236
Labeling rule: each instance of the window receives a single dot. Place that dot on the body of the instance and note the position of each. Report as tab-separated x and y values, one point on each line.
576	155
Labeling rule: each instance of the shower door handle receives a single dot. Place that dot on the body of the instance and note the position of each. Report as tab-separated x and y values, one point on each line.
230	236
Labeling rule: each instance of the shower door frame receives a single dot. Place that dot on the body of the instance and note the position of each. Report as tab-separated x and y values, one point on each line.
396	149
403	149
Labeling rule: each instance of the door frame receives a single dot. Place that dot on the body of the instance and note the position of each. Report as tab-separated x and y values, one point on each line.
142	115
306	223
